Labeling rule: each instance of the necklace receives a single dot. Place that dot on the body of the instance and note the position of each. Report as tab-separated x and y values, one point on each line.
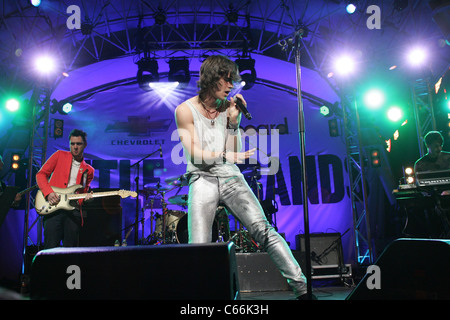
211	115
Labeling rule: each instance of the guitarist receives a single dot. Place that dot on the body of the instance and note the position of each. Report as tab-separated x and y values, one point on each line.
64	169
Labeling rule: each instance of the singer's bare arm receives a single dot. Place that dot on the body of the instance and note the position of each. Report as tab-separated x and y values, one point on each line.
234	142
234	116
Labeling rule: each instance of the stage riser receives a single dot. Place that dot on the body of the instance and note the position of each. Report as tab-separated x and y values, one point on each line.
257	272
169	272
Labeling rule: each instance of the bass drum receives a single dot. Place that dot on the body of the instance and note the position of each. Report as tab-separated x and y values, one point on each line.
220	227
183	234
172	219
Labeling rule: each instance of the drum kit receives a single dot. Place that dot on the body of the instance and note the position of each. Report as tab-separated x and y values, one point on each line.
170	226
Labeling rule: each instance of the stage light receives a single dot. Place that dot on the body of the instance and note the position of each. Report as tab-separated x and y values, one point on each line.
15	161
164	88
392	67
417	56
36	3
58	128
409	175
179	71
333	128
324	110
12	105
232	15
394	114
350	8
247	72
147	73
375	158
374	98
67	107
344	65
160	16
63	107
45	64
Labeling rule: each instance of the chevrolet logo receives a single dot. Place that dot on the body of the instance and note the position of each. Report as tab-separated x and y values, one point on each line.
138	126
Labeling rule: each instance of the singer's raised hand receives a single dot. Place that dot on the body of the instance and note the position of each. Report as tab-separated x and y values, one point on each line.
234	114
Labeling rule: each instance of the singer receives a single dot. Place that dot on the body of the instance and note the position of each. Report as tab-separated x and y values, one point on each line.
208	126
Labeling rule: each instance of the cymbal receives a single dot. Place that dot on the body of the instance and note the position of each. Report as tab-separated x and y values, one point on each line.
180	199
178	181
157	187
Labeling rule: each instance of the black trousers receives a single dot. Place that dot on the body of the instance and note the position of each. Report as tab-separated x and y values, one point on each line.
62	226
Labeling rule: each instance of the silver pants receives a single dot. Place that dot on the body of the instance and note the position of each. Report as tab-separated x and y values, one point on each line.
205	193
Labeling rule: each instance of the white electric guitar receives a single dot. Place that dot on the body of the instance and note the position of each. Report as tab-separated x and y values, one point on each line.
68	194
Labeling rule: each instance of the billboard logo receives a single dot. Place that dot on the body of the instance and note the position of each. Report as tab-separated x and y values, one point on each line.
374	279
74	20
74	280
374	20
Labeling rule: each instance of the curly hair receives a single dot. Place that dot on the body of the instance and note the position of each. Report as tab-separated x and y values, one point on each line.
212	70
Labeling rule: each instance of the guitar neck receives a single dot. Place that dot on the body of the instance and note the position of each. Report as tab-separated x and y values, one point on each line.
27	190
75	196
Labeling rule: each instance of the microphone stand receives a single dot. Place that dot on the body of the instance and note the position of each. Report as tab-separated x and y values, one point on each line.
136	221
294	42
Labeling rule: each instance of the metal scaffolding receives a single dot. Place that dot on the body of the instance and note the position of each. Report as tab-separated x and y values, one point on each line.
422	101
37	153
358	185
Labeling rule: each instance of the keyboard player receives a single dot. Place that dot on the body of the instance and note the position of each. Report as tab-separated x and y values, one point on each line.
435	159
434	211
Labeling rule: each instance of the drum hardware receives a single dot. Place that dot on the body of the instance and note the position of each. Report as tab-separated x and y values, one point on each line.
180	200
177	181
172	228
244	242
136	179
152	192
164	208
270	206
157	188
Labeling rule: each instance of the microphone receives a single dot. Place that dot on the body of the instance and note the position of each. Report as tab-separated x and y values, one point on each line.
243	109
160	151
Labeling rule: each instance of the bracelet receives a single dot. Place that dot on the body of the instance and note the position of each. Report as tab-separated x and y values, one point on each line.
224	157
232	126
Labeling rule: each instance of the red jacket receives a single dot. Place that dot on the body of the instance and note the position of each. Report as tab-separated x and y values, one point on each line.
56	172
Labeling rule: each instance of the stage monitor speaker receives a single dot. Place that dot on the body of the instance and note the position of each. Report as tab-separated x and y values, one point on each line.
166	272
325	248
409	269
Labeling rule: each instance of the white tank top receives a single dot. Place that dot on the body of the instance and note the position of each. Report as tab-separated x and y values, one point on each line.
213	138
